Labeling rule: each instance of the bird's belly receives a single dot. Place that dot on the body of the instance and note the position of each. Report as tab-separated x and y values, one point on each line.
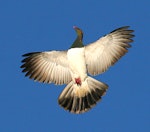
77	64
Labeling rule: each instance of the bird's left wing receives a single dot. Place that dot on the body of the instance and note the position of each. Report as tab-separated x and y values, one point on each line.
47	67
103	53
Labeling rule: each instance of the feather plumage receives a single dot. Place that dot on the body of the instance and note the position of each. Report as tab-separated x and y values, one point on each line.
70	67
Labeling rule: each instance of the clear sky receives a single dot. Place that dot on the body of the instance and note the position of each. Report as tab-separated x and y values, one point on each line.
39	25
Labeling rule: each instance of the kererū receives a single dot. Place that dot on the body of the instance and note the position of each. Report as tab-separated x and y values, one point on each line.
73	67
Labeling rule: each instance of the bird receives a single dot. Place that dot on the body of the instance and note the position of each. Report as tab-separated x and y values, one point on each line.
76	66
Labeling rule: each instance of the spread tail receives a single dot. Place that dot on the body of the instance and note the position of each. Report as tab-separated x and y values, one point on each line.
81	98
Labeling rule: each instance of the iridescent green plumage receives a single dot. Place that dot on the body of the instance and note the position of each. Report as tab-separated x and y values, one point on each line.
78	42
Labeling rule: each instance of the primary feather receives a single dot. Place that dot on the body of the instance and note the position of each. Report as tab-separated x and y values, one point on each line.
47	67
103	53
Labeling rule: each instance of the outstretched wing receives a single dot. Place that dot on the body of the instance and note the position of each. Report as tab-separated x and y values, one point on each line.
47	67
103	53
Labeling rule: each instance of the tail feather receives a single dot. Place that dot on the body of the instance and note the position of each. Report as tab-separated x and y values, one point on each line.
79	99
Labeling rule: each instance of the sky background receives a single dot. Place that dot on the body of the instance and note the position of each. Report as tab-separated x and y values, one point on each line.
39	25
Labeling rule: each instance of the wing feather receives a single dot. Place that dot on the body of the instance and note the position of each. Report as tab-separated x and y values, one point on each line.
103	53
47	67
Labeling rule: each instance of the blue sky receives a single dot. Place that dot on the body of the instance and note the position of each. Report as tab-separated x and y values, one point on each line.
39	25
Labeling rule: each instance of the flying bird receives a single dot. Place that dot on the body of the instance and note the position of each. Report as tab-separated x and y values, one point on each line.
76	65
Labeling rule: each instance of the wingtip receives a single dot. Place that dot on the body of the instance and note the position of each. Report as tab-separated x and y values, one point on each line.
122	29
31	53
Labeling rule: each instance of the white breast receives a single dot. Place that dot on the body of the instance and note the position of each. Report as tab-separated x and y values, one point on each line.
77	64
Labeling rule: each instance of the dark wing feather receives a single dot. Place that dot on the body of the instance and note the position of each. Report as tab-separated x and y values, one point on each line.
103	53
47	67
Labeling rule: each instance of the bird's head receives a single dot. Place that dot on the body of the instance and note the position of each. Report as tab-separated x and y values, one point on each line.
79	32
78	42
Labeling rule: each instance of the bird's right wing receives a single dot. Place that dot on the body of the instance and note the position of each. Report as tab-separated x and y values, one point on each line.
47	67
106	51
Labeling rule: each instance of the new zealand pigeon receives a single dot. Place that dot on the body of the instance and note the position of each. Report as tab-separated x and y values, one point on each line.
72	67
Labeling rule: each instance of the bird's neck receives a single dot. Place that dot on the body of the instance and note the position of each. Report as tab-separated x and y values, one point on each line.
77	43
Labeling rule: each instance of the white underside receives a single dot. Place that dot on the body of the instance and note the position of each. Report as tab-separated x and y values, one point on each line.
76	58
